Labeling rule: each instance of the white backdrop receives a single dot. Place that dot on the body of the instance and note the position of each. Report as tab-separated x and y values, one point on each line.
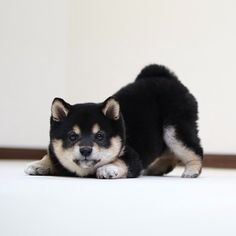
33	57
84	50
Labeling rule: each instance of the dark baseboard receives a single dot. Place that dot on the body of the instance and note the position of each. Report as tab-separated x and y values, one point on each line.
210	160
21	153
219	161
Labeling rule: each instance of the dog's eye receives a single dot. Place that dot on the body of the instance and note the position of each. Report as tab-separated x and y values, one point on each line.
100	135
73	137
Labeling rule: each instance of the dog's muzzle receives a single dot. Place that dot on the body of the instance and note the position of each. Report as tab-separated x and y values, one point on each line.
86	163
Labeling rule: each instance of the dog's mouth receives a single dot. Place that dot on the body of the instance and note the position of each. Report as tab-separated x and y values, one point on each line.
86	163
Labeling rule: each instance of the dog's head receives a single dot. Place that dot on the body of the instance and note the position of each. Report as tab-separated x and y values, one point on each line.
86	136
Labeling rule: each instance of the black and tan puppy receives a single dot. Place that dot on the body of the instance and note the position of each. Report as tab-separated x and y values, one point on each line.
146	127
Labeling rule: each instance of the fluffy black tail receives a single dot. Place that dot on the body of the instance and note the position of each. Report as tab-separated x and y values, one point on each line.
155	70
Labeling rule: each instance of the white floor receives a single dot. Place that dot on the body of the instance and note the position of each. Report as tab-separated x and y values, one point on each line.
33	205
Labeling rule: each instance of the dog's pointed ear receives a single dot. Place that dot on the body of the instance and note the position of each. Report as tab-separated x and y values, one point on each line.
59	109
111	108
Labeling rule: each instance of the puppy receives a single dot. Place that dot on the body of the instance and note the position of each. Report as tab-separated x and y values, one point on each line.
146	127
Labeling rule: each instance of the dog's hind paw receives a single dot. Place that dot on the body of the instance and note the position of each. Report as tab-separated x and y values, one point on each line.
190	174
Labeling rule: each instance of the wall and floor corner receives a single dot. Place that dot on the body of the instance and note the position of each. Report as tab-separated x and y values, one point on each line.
86	50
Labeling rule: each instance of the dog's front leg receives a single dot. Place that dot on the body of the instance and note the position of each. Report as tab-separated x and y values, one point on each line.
128	165
42	167
115	170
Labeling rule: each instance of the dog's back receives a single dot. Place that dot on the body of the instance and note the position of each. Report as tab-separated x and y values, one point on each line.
156	101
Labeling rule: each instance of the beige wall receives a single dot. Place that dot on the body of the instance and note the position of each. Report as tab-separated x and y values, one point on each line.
84	50
33	51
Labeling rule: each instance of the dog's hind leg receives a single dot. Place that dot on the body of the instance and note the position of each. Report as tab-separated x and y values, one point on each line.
42	167
162	165
183	141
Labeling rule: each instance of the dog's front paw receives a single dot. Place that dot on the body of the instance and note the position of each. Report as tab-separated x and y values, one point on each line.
37	168
109	171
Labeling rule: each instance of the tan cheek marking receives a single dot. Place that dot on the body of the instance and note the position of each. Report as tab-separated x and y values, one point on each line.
96	147
115	146
60	152
108	155
95	128
76	129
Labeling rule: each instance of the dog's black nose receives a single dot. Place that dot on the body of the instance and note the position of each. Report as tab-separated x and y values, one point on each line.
85	151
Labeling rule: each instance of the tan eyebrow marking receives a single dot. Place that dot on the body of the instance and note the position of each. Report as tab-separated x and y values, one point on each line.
76	129
95	128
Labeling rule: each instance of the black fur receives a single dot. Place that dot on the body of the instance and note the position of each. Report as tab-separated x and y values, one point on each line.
155	100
